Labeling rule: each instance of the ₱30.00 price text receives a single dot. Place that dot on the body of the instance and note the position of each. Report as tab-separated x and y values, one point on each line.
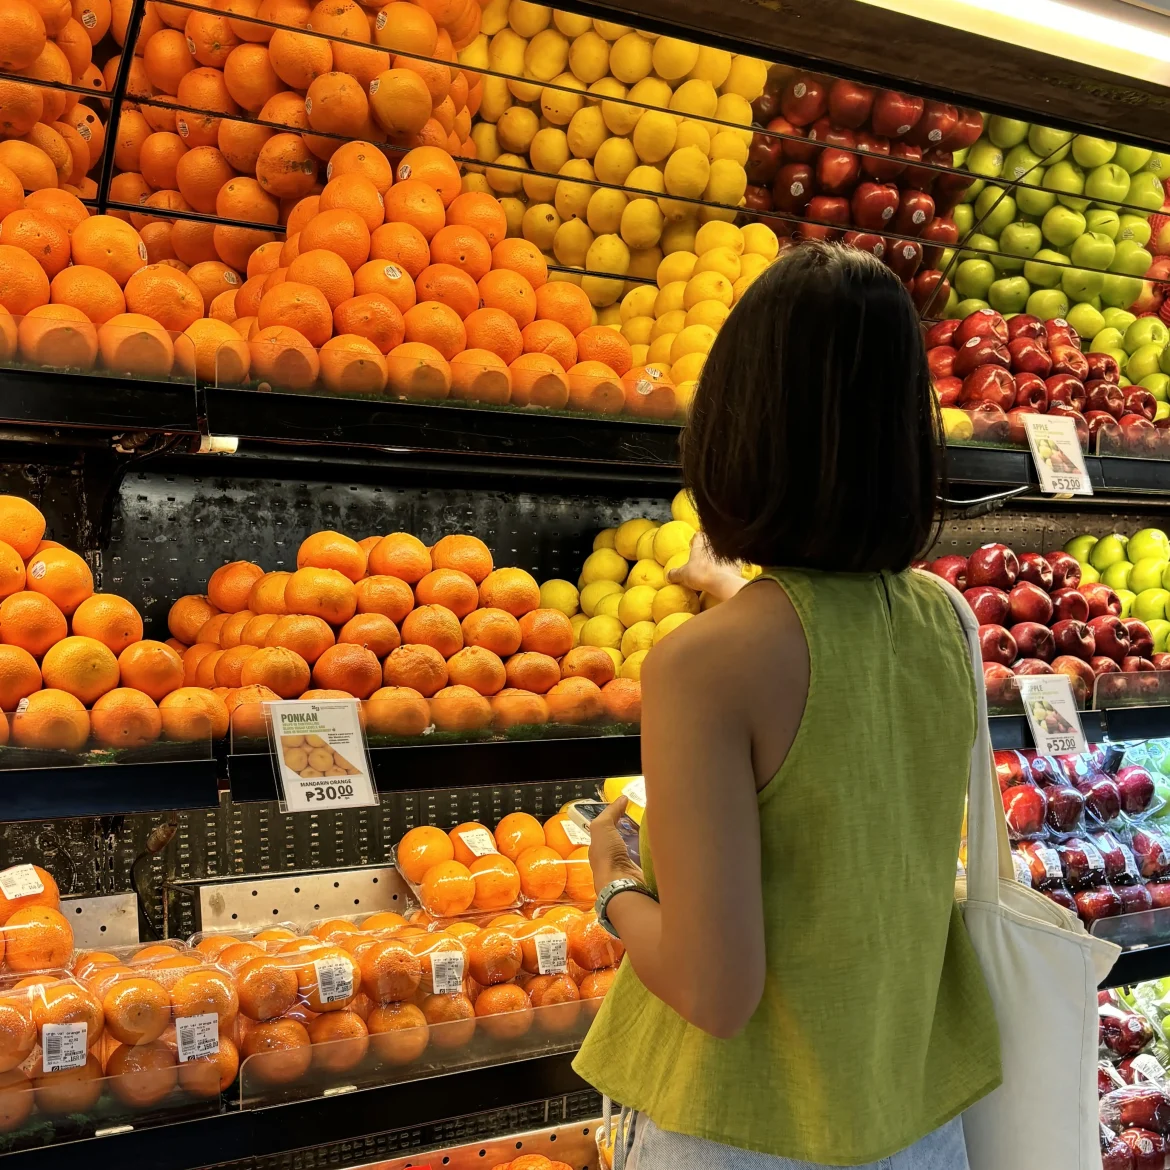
328	792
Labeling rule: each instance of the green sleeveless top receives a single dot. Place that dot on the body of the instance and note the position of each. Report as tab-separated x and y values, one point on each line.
875	1025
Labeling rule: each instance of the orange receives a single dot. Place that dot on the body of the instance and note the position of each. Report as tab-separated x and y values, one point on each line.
325	271
349	668
420	668
142	1075
649	392
277	668
539	380
579	876
352	192
257	629
299	59
188	615
205	670
210	631
266	988
575	700
385	594
622	700
417	370
566	303
447	889
231	631
137	1010
192	713
533	672
335	103
463	853
553	339
341	231
389	970
435	626
371	317
400	100
58	335
19	676
223	308
284	356
434	167
136	346
305	634
546	631
451	1019
503	289
437	78
230	664
332	550
556	836
454	289
85	668
151	667
522	257
595	387
517	832
558	1002
212	37
493	629
590	662
323	593
461	709
340	1041
211	276
166	296
463	248
483	213
36	938
599	343
236	955
542	873
213	351
22	526
403	243
308	988
65	209
41	236
278	1051
450	588
29	163
362	158
512	590
12	574
420	849
245	711
300	307
413	202
374	631
468	554
493	956
406	28
52	719
11	191
200	174
590	945
125	717
398	1032
513	707
18	1037
388	279
166	60
22	35
504	1012
23	283
109	244
285	168
208	1076
265	259
50	896
246	199
64	1003
477	668
496	331
497	882
192	656
267	594
68	1091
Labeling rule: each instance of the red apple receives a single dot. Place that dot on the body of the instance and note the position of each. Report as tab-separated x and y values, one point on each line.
1103	366
989	423
838	171
1102	601
1031	392
1066	571
1059	332
850	104
1136	786
1101	422
1069	411
1141	641
999	685
981	323
997	645
1102	665
793	189
1059	894
993	564
1151	849
1025	325
828	209
1074	638
1079	674
937	123
1066	388
1043	862
1134	899
989	604
948	390
1123	1032
804	99
953	569
1017	428
988	384
1069	605
1159	894
977	351
1081	862
873	205
929	290
1067	359
1119	863
1111	637
1148	1148
939	231
1146	1106
915	211
1104	396
1011	769
1115	1154
1029	603
793	150
940	333
1066	807
1139	401
1098	902
1102	797
1161	661
1036	570
1024	809
1025	666
904	257
966	131
1028	356
895	114
868	242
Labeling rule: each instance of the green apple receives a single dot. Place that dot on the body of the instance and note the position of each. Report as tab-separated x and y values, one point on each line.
1047	304
1121	291
1051	145
1068	181
977	244
1145	190
1151	601
1116	575
1143	361
1089	575
1118	318
964	218
1123	381
959	157
1085	319
1092	152
1046	275
996	208
972	192
1157	384
1079	546
1009	294
1161	411
1093	250
1033	199
1131	259
985	159
1160	628
1101	219
1081	284
946	259
966	307
1160	164
1021	161
1109	338
1127	597
1108	183
1147	572
1120	357
1006	132
1021	239
1109	550
973	278
1134	227
1061	226
1133	158
1149	542
1146	331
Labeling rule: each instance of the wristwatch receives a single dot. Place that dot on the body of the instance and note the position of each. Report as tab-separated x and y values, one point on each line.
607	893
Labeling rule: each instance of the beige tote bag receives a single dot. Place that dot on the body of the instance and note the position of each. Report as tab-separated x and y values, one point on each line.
1042	968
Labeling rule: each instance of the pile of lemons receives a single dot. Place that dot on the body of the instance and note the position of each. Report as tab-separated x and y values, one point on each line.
664	123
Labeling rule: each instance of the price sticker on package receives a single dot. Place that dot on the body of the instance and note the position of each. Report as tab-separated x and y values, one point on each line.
334	978
573	831
635	791
20	881
479	842
319	755
1056	451
64	1046
1052	712
447	972
552	953
197	1036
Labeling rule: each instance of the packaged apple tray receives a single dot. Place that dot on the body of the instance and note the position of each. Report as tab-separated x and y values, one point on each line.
1085	832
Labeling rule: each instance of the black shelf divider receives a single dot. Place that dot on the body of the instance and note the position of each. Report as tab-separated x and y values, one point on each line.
1116	724
1138	965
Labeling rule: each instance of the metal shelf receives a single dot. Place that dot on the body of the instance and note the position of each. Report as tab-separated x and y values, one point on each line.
466	765
1116	724
1136	966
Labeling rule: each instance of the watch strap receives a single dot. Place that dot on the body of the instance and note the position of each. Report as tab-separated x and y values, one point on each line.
610	891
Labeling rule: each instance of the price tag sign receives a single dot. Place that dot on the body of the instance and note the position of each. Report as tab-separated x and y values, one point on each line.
319	754
552	953
21	881
1052	712
479	842
1056	451
447	972
334	979
197	1036
64	1046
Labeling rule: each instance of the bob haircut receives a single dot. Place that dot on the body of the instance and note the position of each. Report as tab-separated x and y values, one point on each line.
814	439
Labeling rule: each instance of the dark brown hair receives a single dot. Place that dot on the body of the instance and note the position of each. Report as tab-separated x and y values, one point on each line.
813	438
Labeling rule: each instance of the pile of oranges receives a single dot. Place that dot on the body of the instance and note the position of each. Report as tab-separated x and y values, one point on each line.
470	869
34	934
427	636
74	667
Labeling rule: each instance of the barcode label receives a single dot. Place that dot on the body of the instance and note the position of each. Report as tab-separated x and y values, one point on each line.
64	1046
635	791
1130	864
1093	856
1023	873
447	972
198	1036
552	953
21	881
1148	1068
1050	860
334	978
576	834
479	841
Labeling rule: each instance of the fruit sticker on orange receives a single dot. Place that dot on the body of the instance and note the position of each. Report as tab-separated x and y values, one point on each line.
334	978
197	1036
64	1046
20	881
479	841
552	953
319	754
447	972
635	791
1056	451
1052	712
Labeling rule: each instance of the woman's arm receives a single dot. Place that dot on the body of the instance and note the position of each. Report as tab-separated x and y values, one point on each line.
701	949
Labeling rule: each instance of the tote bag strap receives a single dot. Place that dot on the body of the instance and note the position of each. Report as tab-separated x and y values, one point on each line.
988	851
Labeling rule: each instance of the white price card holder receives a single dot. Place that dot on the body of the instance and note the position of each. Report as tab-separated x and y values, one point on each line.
1052	713
319	754
1056	451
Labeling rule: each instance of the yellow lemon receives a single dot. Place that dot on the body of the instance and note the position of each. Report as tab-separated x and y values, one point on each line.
709	313
539	225
602	631
687	172
692	133
608	605
738	111
651	93
571	243
637	330
753	265
507	176
495	17
547	54
646	543
693	339
641	223
587	131
630	58
593	593
708	286
609	30
654	136
559	107
659	352
613	161
608	253
728	144
670	295
679	235
720	235
610	317
619	118
646	572
646	178
632	666
644	262
638	636
676	562
577	621
559	594
528	19
589	57
474	183
605	564
496	97
638	354
683	393
672	622
676	268
712	65
674	59
639	302
487	142
604	539
616	655
686	368
746	77
682	507
670	322
674	599
723	260
625	540
696	98
636	605
759	239
726	182
573	26
548	149
674	536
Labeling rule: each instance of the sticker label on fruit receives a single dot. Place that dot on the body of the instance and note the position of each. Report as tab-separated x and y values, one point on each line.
319	755
1051	862
447	972
552	953
1023	873
479	841
1056	451
1148	1068
1052	712
334	979
1131	868
64	1046
576	835
197	1036
21	881
635	791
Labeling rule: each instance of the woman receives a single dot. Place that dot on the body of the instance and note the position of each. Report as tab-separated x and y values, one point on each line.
798	984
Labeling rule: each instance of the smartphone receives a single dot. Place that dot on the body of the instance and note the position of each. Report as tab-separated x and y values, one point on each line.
584	812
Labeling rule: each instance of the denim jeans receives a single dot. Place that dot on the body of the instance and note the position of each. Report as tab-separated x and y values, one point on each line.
655	1149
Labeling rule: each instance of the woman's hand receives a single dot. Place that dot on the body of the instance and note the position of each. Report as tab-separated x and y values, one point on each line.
607	850
702	572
